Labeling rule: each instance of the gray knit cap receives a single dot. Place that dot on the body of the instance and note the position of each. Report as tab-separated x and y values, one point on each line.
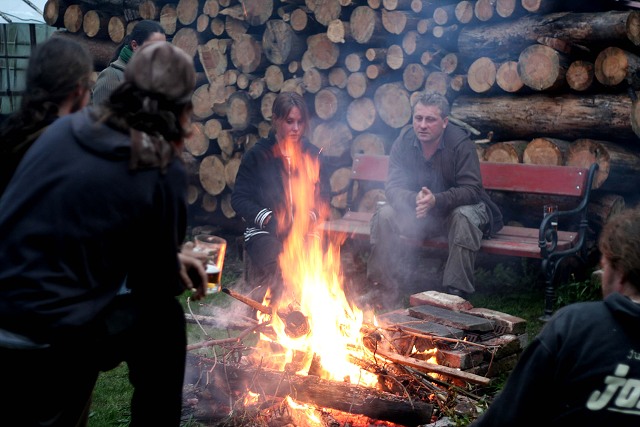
162	68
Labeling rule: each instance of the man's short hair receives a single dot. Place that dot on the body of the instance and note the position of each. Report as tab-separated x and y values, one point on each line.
436	100
619	243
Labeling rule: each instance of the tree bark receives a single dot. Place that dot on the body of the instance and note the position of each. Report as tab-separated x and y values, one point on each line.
560	117
503	40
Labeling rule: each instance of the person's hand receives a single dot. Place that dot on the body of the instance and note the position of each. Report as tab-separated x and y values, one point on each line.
270	225
424	202
192	272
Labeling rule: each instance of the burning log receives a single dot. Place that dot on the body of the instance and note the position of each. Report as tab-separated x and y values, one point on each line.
296	323
226	382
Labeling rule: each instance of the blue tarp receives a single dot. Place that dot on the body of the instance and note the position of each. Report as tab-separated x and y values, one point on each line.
19	11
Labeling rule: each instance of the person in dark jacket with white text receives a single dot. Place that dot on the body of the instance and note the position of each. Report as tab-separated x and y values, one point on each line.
583	369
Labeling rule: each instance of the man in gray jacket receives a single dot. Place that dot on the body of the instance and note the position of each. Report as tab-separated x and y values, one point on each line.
434	188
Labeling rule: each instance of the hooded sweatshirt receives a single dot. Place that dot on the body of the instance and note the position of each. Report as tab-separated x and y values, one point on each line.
76	222
583	370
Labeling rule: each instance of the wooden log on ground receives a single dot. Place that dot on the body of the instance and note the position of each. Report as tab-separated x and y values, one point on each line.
392	104
507	77
542	68
481	76
338	183
560	117
361	114
314	80
274	78
330	103
366	25
280	43
246	54
187	11
438	82
197	143
413	77
505	152
324	11
333	137
53	13
211	175
368	143
186	38
580	75
339	31
338	77
242	110
619	166
323	54
213	57
73	17
484	10
546	151
309	389
502	40
614	66
464	12
169	18
96	24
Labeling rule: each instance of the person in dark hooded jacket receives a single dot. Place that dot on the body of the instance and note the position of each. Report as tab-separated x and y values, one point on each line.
97	201
434	188
583	369
263	196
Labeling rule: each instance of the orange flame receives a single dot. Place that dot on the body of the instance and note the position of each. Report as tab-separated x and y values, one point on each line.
313	278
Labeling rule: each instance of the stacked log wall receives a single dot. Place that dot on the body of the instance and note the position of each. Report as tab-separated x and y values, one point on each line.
536	81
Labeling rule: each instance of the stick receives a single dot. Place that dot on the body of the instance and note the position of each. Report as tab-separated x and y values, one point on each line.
432	367
231	340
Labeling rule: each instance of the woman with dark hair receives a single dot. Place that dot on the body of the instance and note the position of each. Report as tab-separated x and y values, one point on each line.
262	193
143	32
99	200
58	83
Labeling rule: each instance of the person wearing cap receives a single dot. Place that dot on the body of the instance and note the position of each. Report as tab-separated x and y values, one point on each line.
143	33
100	199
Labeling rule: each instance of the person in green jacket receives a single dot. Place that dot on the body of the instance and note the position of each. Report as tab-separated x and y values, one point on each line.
144	32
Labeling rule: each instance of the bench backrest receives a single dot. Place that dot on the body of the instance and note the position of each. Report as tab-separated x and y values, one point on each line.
514	177
537	179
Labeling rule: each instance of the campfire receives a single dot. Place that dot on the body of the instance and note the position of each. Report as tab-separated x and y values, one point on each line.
311	357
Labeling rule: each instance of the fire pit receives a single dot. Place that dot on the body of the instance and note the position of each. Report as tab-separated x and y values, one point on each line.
314	347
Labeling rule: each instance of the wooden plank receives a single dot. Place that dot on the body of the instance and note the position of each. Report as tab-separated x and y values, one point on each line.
536	179
416	325
370	168
450	318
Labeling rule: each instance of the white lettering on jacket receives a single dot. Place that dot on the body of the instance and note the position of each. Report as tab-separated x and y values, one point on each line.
620	394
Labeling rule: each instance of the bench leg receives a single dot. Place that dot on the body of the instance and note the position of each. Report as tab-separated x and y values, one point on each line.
549	270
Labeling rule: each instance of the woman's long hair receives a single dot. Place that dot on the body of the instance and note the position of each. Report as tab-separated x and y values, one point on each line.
55	69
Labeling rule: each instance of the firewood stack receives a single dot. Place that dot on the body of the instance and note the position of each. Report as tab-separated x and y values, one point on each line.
537	81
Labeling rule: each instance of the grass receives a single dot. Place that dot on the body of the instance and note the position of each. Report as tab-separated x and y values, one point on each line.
511	286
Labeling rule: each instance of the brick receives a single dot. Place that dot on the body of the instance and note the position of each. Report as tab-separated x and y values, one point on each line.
506	345
459	320
510	324
439	299
461	359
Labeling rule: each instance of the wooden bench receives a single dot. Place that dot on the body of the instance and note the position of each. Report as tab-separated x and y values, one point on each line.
544	242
